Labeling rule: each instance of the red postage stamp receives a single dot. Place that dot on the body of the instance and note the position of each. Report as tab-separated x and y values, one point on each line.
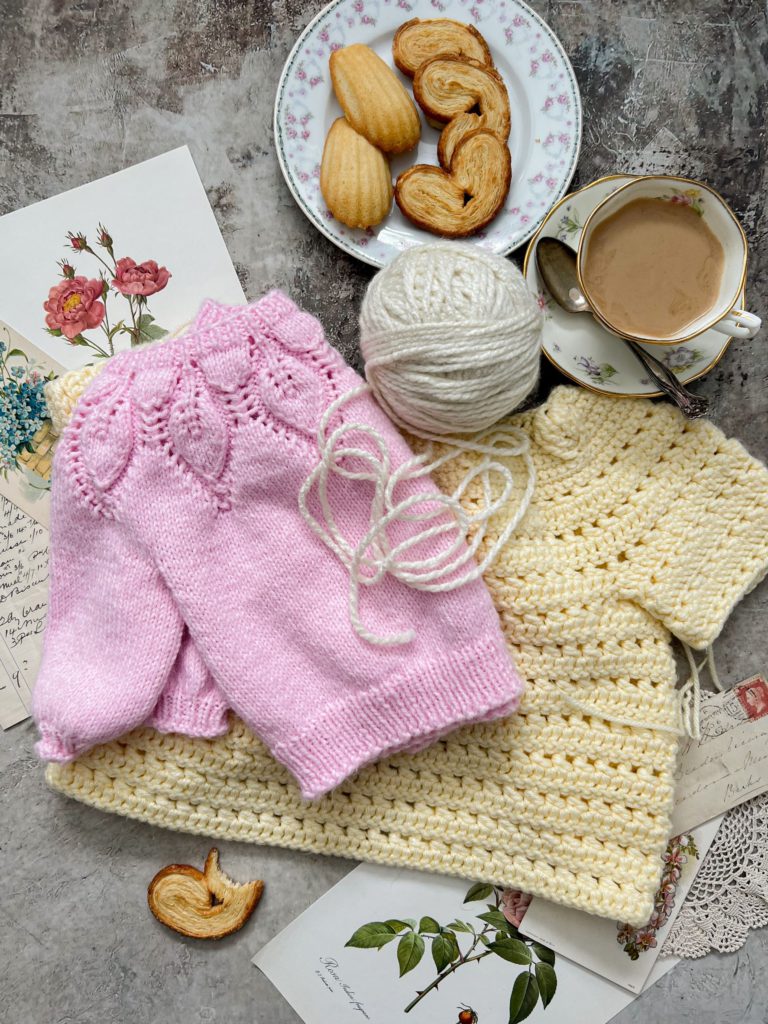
753	696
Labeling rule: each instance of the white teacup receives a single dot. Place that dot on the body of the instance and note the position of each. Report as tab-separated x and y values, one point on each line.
723	316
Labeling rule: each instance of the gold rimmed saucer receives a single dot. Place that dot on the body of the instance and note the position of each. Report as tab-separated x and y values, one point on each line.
578	345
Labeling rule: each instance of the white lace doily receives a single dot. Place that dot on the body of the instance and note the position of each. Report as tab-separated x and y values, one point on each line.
730	892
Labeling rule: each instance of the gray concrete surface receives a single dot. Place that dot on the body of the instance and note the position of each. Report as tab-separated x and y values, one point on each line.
91	86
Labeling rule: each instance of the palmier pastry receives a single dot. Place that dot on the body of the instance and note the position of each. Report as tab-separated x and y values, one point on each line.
464	199
203	904
374	100
355	179
466	94
417	41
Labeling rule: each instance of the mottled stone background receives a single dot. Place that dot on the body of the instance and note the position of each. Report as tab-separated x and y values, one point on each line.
89	87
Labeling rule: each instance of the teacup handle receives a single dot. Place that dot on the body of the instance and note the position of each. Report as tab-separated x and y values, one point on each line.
739	324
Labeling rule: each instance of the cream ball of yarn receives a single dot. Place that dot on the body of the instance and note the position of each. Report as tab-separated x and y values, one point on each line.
450	337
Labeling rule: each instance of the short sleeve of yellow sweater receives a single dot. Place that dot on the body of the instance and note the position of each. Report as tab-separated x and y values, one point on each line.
709	545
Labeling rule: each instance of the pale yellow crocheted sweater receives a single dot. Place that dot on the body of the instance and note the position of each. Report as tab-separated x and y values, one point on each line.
643	524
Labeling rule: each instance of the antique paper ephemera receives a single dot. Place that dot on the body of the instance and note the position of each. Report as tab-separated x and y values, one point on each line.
383	980
118	262
724	768
24	508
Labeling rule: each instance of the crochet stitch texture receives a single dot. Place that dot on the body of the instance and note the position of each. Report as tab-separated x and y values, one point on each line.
180	560
642	523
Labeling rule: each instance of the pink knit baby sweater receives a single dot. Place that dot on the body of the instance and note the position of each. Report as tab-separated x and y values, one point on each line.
184	580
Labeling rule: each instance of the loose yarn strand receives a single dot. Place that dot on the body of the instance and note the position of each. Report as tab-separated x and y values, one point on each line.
450	336
688	696
373	556
690	692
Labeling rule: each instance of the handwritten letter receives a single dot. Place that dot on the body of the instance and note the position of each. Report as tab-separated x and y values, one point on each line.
23	606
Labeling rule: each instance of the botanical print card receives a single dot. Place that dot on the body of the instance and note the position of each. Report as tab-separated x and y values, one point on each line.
388	945
106	266
120	260
613	949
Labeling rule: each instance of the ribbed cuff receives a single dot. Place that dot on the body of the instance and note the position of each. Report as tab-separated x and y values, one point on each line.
53	747
476	684
199	715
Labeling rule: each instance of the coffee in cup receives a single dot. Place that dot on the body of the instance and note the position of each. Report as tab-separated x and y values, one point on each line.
663	259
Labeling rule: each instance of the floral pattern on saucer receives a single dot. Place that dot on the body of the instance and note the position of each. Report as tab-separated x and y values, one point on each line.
546	131
598	373
578	345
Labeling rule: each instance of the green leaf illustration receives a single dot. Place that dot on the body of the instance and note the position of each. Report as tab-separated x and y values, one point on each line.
525	993
410	950
479	891
18	352
55	331
428	924
397	926
460	926
607	370
372	936
494	917
148	329
547	979
544	953
445	949
78	340
513	950
484	939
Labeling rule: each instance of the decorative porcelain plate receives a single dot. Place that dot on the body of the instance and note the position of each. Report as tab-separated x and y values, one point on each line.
544	97
578	345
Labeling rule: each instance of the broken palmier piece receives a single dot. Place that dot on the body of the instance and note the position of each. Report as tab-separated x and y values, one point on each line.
374	100
417	41
465	96
202	904
464	199
355	179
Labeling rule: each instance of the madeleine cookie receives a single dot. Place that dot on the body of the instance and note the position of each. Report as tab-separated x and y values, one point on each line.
466	94
458	202
355	179
374	100
417	41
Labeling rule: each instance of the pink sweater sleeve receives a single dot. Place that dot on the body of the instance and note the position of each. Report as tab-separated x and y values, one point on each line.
113	630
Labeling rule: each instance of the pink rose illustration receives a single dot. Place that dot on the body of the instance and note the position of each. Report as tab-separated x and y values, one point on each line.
132	278
80	303
514	905
74	305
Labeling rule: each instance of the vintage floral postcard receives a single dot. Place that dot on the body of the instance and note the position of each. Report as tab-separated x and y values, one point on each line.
107	266
26	438
386	945
26	451
614	949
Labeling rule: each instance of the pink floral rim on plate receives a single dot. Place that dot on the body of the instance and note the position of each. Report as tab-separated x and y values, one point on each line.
544	97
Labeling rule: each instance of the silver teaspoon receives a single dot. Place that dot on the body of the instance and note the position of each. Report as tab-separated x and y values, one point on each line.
556	263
